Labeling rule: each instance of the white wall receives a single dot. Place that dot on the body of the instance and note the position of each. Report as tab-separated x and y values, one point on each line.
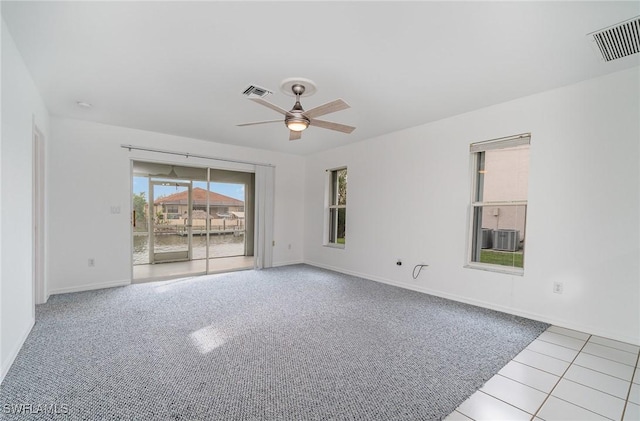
21	107
90	173
408	197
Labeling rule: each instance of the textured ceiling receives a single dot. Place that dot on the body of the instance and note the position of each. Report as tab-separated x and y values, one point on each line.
180	67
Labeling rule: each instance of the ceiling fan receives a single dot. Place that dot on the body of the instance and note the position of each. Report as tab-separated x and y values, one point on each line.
297	119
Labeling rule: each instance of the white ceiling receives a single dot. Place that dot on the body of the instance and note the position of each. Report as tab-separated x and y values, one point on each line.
180	67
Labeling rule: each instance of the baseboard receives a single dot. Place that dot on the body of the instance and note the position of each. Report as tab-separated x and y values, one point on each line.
89	287
364	276
289	263
14	352
491	306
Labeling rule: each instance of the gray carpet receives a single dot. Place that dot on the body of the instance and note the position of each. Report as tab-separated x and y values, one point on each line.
290	343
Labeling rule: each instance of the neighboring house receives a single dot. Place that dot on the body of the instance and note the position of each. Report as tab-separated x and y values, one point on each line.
506	178
176	206
237	215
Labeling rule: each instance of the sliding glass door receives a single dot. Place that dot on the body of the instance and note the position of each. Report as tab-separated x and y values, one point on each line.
170	228
189	220
227	219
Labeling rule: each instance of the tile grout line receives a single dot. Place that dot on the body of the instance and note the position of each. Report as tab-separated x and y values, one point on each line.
573	361
544	371
456	410
524	384
582	407
593	388
602	372
593	343
587	352
553	343
608	359
493	397
556	358
560	378
569	336
626	402
614	348
503	401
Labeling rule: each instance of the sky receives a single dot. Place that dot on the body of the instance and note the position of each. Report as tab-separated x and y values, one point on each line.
141	184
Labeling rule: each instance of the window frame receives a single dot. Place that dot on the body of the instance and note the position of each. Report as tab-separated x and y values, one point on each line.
475	150
172	209
331	188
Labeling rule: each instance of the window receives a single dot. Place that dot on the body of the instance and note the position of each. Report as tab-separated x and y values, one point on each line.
337	207
499	203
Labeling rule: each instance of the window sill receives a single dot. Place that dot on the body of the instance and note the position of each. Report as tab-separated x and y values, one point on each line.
494	268
334	246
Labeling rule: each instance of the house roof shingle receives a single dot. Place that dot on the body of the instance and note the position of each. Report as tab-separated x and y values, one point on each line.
199	197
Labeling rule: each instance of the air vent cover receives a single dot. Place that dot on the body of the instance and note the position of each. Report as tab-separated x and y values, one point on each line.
618	41
255	91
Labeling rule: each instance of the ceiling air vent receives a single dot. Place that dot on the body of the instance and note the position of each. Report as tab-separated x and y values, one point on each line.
255	91
618	41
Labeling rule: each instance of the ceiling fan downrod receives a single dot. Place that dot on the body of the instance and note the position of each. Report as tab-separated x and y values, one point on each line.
295	120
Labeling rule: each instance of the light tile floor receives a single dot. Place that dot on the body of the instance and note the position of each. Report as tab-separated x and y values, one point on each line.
562	375
164	271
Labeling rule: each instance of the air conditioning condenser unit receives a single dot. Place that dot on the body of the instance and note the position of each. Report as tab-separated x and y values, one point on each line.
487	238
506	240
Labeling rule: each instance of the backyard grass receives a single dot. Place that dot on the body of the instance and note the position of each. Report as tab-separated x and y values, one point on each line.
503	258
341	240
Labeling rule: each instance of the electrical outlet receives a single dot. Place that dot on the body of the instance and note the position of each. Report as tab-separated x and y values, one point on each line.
91	262
399	262
289	247
558	287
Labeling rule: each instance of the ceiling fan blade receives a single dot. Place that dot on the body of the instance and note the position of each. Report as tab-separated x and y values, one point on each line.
293	135
270	105
329	107
332	126
259	122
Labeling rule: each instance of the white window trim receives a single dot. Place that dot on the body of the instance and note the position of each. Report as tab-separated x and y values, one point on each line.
328	207
508	270
334	245
474	148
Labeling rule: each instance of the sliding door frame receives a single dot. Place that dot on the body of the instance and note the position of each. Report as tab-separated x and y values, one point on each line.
262	246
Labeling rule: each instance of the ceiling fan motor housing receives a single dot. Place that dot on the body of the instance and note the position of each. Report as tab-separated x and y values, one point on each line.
295	119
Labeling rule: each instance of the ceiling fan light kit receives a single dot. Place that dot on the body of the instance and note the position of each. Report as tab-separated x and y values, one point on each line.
297	124
297	119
